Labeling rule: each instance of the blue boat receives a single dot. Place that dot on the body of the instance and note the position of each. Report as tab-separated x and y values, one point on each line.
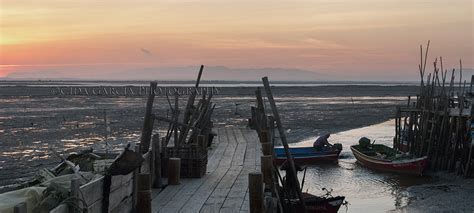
306	155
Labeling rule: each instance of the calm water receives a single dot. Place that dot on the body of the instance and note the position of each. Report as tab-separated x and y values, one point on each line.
366	190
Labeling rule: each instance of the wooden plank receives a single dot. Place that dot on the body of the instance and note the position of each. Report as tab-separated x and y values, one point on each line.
20	208
250	153
215	143
204	191
92	191
63	208
166	195
182	196
215	159
145	167
236	196
222	191
218	196
229	152
253	139
246	204
124	207
95	207
116	198
239	155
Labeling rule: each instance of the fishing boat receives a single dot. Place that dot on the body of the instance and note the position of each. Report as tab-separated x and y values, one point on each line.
384	158
307	155
317	204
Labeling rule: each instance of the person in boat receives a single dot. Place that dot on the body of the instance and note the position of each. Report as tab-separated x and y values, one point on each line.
322	144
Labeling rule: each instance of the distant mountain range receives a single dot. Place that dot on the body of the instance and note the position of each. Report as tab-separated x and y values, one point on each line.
212	73
215	73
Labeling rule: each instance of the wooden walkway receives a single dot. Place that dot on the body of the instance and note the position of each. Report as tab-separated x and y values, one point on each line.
235	153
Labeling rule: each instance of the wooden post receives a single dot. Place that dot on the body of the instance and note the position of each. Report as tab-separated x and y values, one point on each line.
144	194
261	117
201	142
174	168
267	148
255	192
135	182
152	158
156	148
176	115
253	118
75	187
267	170
199	76
164	145
271	129
20	208
264	137
148	121
283	140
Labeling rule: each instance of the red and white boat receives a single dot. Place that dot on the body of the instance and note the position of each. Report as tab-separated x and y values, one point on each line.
384	158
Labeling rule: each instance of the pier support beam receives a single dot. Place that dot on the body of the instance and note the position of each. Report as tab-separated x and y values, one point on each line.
255	192
267	167
144	194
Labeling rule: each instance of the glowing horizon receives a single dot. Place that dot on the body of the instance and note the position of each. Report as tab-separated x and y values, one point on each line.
364	37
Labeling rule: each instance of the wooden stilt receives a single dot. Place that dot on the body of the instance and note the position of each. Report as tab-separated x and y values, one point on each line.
144	194
256	192
174	169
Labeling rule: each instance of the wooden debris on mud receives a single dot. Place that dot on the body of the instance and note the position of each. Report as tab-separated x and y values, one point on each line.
181	140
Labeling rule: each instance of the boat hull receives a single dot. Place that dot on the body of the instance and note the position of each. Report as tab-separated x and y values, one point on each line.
315	204
415	166
306	155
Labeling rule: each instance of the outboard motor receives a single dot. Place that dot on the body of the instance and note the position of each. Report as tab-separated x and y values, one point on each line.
338	146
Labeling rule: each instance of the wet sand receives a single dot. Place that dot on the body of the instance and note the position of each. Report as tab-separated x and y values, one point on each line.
447	193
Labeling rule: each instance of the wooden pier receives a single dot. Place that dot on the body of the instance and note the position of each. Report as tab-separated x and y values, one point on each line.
234	154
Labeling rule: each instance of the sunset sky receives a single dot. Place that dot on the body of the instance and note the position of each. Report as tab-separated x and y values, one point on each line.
347	38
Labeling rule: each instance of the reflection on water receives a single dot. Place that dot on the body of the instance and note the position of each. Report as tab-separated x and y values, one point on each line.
366	190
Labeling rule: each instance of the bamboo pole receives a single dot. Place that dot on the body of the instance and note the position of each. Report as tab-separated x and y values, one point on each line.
148	121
